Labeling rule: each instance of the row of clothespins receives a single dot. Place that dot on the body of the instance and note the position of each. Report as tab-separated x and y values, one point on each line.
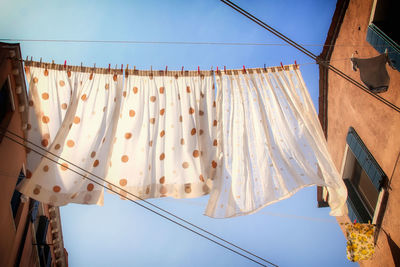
151	67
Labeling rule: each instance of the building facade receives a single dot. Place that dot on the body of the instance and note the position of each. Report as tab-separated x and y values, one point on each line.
30	232
363	132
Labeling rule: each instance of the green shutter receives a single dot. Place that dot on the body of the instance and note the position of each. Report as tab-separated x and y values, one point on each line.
380	41
357	210
365	159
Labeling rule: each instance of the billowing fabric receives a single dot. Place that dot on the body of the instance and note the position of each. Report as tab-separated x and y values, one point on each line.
73	115
271	143
360	241
165	140
164	134
152	137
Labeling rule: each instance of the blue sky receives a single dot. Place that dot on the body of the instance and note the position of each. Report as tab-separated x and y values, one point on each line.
293	232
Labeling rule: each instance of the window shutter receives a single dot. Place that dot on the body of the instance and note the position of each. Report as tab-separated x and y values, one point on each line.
45	256
380	41
365	159
357	210
42	230
33	209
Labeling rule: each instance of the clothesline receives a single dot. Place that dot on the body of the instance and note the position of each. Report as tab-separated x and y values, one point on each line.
170	42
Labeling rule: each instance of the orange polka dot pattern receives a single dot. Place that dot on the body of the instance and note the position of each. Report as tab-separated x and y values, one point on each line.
82	138
162	147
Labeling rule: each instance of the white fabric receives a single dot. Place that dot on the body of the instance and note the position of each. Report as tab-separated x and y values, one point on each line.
165	135
272	144
155	138
73	115
164	144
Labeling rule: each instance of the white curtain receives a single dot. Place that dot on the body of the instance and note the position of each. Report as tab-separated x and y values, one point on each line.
157	134
73	115
164	144
271	143
154	136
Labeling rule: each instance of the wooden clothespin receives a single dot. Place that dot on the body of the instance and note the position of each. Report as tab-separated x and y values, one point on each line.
182	70
217	69
109	68
282	65
244	69
122	67
65	64
198	69
295	64
40	60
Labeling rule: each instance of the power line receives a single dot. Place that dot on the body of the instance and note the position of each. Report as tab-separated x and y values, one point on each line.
164	42
308	53
139	198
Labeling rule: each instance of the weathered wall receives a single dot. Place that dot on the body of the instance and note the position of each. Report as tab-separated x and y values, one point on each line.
377	124
12	158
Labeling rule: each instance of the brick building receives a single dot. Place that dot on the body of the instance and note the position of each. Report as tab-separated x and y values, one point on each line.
362	132
30	232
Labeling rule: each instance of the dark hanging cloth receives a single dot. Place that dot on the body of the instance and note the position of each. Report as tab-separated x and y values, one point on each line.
373	72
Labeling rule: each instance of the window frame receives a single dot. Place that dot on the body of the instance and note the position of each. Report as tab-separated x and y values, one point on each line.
346	171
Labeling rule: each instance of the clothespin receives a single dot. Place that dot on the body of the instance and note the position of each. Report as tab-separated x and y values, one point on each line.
40	60
198	69
126	70
122	67
295	64
166	69
354	221
282	65
224	68
182	70
81	66
65	64
109	68
217	69
265	68
151	69
244	69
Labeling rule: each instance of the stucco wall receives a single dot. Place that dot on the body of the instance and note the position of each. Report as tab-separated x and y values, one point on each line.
377	124
12	158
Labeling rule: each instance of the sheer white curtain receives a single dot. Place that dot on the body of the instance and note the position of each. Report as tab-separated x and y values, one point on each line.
154	136
73	115
165	141
271	143
161	134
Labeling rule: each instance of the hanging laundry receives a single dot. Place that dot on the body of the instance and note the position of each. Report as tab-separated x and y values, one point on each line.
373	72
165	140
271	143
161	134
360	241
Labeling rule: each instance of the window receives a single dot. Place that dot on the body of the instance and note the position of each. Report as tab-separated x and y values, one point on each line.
16	198
382	31
6	105
364	180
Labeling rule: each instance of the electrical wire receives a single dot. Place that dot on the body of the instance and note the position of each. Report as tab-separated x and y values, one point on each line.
309	53
139	198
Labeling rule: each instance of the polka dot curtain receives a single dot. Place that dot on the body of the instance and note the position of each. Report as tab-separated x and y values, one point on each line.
157	134
271	143
165	139
73	115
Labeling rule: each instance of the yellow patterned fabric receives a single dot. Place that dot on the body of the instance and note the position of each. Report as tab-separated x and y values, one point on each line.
360	241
